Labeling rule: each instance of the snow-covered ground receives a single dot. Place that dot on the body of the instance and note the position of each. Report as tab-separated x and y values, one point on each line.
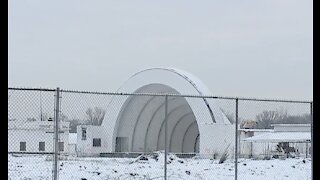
37	167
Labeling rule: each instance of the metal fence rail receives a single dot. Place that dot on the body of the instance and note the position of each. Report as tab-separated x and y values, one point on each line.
158	135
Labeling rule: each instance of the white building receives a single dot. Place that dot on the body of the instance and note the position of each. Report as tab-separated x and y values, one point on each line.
36	137
136	123
89	141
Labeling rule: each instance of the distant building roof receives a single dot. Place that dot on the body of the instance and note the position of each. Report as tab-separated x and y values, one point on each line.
291	125
280	137
36	125
257	130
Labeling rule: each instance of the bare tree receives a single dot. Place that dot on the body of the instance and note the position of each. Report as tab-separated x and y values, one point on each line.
266	118
95	116
296	119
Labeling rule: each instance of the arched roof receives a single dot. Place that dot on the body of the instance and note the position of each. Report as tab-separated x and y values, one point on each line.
180	80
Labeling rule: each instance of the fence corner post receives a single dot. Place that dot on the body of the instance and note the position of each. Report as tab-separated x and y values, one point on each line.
56	133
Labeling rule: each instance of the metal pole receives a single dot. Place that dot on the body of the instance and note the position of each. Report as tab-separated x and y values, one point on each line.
311	116
165	137
41	106
56	133
236	143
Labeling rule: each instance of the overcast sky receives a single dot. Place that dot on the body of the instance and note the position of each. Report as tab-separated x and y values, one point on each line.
243	48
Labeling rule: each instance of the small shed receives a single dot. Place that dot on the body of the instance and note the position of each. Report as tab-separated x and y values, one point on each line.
284	139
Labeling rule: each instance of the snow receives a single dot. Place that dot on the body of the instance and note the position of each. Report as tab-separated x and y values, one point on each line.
151	167
281	137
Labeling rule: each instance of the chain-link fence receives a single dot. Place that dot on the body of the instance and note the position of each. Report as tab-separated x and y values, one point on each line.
96	135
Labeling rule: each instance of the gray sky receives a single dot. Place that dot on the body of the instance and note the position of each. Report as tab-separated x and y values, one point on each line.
237	48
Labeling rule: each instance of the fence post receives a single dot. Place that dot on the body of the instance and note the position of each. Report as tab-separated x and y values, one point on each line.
236	143
165	137
311	116
56	134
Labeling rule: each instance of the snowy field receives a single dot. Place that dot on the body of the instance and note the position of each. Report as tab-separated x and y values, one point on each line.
37	167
